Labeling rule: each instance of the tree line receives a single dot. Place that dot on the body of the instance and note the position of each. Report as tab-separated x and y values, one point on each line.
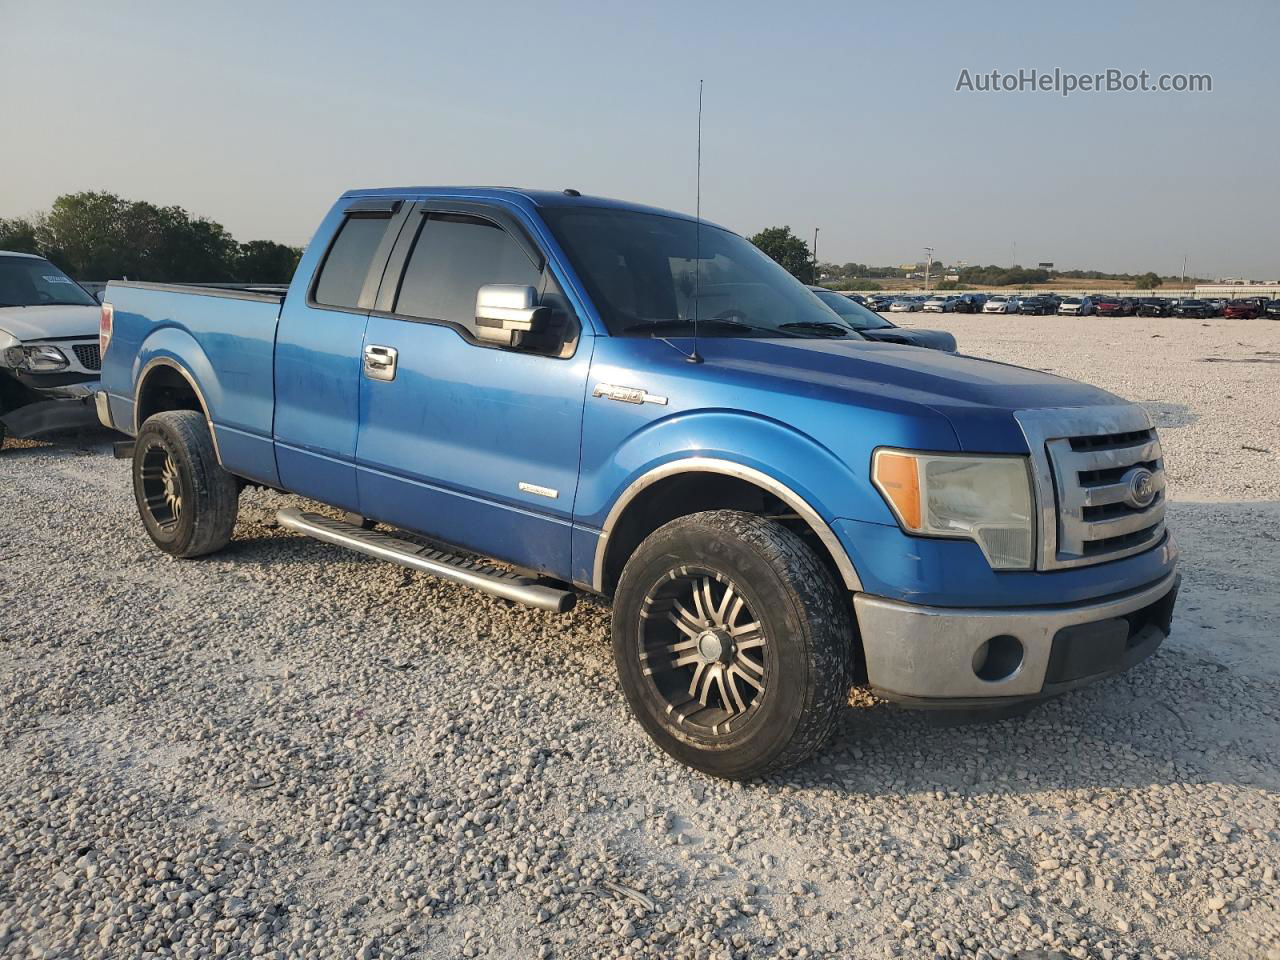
793	253
100	236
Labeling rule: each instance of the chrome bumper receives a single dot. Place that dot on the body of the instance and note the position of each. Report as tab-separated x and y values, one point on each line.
919	655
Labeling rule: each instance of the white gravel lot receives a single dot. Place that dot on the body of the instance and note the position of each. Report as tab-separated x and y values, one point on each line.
287	750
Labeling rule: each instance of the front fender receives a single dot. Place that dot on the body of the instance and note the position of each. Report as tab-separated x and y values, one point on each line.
758	443
773	456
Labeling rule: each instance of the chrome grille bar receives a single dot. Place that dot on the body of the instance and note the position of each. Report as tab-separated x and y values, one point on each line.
1099	483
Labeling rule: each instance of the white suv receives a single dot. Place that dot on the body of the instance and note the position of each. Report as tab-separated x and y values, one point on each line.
49	359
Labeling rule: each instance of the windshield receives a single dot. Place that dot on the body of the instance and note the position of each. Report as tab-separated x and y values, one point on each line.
640	271
30	282
852	312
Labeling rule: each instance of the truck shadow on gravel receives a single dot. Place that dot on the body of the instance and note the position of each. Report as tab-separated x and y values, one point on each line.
1179	718
1205	708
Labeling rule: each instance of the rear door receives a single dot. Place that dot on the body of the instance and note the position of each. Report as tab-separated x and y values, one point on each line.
318	349
475	444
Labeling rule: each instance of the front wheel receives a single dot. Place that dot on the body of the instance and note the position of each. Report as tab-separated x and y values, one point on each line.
188	503
732	643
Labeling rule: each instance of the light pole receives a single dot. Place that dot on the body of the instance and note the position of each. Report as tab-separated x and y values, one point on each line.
927	267
815	256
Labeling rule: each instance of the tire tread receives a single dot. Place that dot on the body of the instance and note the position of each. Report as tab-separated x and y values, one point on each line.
215	495
827	625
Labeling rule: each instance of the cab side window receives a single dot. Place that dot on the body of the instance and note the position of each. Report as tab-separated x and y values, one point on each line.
453	256
346	265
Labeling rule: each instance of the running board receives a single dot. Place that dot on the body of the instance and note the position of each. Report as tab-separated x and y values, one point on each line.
448	566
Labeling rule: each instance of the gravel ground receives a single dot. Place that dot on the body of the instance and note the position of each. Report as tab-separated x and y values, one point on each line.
291	751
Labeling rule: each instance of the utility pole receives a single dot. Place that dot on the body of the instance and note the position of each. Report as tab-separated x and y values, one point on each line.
816	278
927	267
1184	269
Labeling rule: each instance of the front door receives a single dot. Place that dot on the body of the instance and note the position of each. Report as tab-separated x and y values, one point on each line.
475	444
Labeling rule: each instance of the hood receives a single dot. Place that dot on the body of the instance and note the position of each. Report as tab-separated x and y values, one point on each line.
978	397
51	322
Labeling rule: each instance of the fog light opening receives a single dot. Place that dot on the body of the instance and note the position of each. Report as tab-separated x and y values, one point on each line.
998	658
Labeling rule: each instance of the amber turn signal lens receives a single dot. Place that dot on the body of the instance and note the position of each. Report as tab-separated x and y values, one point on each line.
897	475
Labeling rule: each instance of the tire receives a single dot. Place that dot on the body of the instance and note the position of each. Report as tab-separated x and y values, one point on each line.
693	701
187	502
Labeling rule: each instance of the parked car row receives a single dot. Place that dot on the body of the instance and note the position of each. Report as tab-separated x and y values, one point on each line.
1049	304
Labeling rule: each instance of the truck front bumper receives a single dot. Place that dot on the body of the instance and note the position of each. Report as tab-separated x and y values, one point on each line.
961	658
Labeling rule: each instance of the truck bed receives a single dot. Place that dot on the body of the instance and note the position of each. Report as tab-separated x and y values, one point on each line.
222	337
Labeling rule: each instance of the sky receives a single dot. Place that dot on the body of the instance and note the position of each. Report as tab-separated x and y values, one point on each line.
838	115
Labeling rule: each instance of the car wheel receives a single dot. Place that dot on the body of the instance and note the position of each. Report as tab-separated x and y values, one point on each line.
732	643
188	503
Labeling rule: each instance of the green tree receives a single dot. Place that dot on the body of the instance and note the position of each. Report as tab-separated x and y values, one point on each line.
1147	281
993	276
18	235
788	250
264	261
99	236
85	233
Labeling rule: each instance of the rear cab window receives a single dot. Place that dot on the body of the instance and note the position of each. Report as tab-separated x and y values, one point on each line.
362	241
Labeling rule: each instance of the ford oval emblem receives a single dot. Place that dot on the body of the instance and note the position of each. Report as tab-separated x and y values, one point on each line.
1141	490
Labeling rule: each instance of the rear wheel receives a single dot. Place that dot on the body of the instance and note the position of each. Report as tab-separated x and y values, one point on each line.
732	643
187	502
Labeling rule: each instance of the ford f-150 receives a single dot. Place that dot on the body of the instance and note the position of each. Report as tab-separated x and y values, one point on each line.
592	395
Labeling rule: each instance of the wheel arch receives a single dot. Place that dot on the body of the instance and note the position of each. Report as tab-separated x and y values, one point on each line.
163	384
637	511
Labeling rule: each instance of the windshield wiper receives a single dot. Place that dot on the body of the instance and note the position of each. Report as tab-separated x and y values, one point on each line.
819	326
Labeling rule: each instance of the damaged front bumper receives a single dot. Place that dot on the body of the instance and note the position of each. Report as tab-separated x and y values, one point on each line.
49	402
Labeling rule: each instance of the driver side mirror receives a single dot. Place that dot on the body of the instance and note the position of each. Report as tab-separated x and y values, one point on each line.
506	313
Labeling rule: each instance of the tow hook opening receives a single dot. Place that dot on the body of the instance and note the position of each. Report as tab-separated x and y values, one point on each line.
998	658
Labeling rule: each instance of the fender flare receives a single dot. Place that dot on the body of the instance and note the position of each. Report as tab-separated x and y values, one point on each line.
776	487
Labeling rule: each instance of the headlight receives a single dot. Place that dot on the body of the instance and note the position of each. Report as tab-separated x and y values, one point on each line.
42	359
984	499
9	342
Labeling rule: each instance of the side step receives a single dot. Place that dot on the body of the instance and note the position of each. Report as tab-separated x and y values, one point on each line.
471	573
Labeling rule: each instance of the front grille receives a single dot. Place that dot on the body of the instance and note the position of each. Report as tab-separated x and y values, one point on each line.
88	355
1084	460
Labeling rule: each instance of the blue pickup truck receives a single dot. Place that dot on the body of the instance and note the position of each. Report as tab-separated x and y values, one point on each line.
540	394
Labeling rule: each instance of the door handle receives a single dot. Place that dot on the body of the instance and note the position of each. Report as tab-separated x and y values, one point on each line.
380	362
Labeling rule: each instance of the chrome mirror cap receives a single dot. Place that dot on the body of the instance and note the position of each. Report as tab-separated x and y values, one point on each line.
507	311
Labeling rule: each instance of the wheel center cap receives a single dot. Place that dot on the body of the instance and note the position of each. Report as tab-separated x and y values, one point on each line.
713	646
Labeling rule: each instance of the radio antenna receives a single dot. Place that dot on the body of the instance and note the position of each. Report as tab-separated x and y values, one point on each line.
694	356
